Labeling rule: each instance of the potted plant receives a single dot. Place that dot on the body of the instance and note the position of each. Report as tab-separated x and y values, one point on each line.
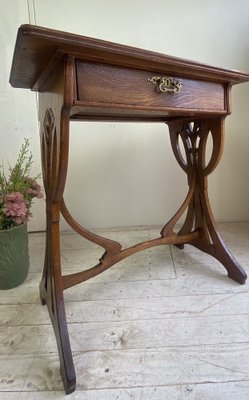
17	191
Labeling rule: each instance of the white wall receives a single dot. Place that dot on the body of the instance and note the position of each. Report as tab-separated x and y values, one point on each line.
18	111
125	174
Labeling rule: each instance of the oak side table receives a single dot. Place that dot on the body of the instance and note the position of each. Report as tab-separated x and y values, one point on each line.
80	78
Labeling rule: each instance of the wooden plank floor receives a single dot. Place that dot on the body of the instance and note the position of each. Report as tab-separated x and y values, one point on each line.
164	324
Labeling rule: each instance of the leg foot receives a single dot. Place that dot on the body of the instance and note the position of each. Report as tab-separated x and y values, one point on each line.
179	246
239	278
219	250
51	294
43	301
61	334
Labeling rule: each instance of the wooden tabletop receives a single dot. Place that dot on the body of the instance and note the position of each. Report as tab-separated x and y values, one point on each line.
36	46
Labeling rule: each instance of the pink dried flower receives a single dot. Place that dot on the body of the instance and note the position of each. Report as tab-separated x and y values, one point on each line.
15	196
18	190
35	189
15	208
38	190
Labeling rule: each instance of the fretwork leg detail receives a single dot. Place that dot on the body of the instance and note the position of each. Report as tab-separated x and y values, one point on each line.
194	135
51	288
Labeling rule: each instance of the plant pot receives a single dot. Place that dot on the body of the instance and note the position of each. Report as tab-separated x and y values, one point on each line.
14	256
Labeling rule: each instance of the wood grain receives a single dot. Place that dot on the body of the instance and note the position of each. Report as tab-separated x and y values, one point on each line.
146	308
204	336
42	43
136	334
129	368
103	84
237	390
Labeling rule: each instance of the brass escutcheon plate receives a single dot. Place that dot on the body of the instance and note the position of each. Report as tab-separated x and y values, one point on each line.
166	84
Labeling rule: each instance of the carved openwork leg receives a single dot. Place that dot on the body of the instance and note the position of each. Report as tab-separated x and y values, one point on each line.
198	229
54	147
194	135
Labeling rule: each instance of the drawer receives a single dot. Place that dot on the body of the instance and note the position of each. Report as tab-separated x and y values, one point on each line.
102	84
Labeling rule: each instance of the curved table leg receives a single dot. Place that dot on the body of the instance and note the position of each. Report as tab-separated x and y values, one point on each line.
194	135
51	287
198	229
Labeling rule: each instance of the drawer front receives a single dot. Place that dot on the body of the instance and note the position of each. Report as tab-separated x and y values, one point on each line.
105	84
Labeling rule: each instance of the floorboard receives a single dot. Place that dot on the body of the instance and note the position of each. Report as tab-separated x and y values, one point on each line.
164	324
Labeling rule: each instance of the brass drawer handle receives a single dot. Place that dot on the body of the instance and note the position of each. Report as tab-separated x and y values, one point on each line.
166	84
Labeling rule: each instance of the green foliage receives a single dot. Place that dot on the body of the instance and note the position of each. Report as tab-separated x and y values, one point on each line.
18	190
